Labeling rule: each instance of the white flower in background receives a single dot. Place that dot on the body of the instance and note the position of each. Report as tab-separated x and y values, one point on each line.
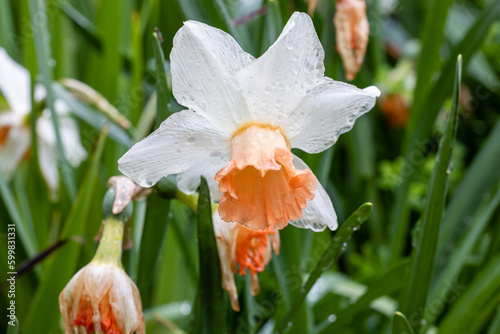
245	116
15	132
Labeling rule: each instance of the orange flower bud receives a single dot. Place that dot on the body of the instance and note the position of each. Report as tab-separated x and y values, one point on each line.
351	32
248	248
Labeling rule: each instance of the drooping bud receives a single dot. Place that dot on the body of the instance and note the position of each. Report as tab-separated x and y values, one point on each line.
241	248
101	298
351	33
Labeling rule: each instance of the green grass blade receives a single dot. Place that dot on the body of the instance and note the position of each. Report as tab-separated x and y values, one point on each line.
424	253
481	293
92	117
84	25
162	90
7	32
446	280
43	313
212	298
38	12
432	38
153	236
495	325
480	176
334	248
26	232
400	324
13	329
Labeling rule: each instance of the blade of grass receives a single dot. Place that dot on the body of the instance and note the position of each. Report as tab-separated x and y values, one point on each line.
334	248
479	178
445	281
43	313
414	297
400	324
7	31
92	117
25	231
84	25
483	290
38	14
430	106
212	299
162	90
153	236
495	324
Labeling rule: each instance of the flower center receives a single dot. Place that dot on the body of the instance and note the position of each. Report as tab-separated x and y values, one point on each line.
85	315
4	133
252	249
260	187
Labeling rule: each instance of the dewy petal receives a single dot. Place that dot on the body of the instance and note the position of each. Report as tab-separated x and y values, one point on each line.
182	141
14	149
319	212
261	187
225	236
47	159
204	62
189	181
277	81
15	84
327	111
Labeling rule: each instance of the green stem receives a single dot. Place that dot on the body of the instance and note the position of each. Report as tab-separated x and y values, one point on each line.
109	250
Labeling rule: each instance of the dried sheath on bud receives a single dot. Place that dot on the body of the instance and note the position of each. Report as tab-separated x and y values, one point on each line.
351	32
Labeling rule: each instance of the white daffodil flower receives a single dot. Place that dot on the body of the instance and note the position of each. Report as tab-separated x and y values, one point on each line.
244	116
14	129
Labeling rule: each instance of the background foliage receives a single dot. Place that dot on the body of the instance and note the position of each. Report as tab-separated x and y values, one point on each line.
428	257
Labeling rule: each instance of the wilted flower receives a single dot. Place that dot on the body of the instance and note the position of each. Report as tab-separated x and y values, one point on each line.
245	116
14	128
249	249
101	298
351	33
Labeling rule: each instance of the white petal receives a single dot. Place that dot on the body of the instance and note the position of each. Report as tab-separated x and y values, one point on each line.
70	136
277	81
122	301
47	158
15	84
204	62
327	111
183	140
319	212
189	181
13	151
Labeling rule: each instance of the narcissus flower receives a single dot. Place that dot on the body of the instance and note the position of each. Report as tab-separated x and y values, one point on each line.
244	116
241	249
101	298
351	33
15	141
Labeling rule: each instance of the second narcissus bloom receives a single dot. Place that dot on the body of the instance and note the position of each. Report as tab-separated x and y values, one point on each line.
244	116
241	249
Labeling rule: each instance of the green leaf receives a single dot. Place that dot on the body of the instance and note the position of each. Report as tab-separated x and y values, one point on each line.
153	236
43	313
414	297
424	112
481	294
479	178
92	117
7	28
84	25
400	324
495	325
342	236
13	329
446	280
211	296
163	93
25	230
38	13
